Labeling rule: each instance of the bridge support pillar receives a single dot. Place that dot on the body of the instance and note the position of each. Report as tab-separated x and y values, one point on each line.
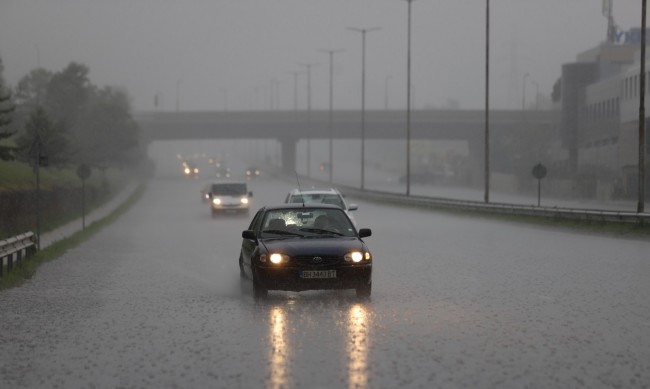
288	151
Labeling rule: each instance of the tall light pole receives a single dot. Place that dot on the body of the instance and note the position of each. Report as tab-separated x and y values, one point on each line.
295	90
308	66
178	88
408	102
386	92
536	93
642	149
330	124
363	32
523	92
486	196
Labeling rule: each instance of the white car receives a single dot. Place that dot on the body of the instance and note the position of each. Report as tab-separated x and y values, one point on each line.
322	196
229	196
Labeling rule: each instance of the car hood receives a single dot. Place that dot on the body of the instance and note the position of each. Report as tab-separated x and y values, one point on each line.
313	246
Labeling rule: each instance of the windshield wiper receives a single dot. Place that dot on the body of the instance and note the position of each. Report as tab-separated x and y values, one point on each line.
282	232
321	231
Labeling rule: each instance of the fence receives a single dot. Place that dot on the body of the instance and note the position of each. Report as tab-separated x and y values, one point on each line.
13	250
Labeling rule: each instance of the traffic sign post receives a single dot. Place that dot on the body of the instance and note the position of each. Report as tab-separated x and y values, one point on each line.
539	172
83	172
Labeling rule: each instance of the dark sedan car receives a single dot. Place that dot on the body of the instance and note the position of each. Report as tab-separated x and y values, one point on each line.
296	247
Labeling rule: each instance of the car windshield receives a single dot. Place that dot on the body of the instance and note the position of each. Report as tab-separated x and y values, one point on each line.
307	222
234	189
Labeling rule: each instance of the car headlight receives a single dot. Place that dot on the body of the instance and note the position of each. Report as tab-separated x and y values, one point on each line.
187	170
357	256
244	200
275	258
216	201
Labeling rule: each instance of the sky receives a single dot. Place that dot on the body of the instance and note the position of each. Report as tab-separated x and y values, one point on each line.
242	55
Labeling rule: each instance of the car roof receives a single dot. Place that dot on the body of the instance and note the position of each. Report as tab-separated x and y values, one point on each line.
299	206
315	191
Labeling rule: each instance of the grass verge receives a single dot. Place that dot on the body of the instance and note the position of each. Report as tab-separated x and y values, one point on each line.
28	267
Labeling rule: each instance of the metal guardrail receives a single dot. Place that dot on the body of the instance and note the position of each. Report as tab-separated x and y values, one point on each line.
13	250
626	217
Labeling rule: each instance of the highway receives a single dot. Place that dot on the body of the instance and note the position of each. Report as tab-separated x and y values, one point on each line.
155	300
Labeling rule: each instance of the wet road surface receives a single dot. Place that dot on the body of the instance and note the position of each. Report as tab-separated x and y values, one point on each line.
155	300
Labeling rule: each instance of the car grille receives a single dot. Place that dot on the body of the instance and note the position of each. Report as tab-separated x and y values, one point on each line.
309	260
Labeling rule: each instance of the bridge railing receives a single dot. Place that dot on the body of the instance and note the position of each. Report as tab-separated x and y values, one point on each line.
13	250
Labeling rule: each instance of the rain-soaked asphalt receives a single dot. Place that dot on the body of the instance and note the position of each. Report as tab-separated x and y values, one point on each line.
154	300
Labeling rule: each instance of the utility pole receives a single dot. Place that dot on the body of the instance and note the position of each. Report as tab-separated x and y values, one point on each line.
308	66
331	101
642	148
486	196
363	32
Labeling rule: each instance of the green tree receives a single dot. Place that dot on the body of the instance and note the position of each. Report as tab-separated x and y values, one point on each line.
53	137
106	132
67	93
32	88
7	107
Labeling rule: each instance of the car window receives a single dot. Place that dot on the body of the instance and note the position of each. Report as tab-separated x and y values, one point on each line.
234	189
306	218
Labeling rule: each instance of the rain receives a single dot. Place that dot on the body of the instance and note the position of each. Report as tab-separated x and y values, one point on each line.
284	96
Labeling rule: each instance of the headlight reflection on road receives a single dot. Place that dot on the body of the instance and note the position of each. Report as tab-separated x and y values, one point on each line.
358	341
279	348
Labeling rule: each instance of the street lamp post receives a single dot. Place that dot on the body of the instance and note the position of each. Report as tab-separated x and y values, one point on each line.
363	32
523	92
308	66
486	195
178	88
408	102
330	124
295	90
386	92
642	146
536	93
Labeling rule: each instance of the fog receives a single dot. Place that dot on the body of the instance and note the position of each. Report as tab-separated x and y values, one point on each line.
240	55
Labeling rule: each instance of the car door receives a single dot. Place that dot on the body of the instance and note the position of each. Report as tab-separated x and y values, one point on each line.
248	245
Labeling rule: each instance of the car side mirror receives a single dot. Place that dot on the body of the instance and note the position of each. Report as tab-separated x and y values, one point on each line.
353	207
250	194
365	232
248	234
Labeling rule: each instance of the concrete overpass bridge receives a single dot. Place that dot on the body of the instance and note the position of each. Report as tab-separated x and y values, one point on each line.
289	127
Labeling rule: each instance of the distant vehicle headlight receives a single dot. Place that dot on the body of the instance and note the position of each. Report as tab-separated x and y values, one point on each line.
354	256
244	200
216	201
187	170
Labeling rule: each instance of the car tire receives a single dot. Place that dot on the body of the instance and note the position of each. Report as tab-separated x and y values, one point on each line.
259	292
364	291
242	274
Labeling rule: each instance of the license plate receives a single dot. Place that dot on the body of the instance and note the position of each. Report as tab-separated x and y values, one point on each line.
318	274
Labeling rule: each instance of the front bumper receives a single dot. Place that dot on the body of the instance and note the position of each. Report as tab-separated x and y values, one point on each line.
288	278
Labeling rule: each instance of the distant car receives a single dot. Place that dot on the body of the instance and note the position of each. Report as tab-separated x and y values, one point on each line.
222	172
229	197
190	169
253	172
322	196
295	247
